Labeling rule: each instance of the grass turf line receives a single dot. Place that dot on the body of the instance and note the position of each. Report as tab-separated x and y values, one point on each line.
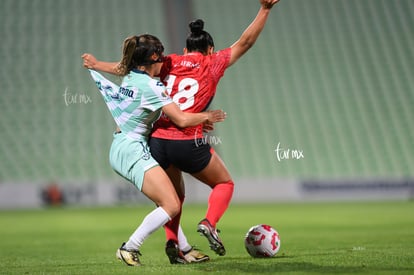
316	238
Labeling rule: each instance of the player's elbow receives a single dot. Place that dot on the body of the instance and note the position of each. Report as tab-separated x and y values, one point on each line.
245	43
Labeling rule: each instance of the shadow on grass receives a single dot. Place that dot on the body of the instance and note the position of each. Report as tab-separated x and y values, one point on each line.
275	265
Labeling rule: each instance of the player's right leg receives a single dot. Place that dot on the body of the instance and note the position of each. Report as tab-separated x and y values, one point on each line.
200	160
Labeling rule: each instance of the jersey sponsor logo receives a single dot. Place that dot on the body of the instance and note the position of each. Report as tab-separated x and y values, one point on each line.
126	92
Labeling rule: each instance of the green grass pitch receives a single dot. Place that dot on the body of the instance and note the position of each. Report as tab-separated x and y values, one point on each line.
316	238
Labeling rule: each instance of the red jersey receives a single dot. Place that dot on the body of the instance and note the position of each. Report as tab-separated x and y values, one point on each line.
191	81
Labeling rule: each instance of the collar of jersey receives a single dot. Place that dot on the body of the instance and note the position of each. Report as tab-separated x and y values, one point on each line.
194	53
139	71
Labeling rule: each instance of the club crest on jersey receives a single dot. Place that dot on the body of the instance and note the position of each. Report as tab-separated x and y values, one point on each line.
163	93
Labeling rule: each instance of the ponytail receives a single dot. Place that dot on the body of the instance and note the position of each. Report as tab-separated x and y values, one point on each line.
137	51
126	64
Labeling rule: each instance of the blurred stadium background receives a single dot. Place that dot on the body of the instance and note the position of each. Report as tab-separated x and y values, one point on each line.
329	84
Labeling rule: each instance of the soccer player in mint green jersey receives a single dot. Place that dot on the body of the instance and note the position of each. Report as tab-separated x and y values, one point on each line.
135	106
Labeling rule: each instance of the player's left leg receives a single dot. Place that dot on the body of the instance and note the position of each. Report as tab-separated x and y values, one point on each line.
215	175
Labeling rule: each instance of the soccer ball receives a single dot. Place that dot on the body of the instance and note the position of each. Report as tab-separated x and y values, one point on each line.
262	241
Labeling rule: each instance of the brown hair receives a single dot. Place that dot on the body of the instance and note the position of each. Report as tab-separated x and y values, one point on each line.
137	51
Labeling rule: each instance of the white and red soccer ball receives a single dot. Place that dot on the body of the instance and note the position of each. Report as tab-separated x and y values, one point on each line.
262	241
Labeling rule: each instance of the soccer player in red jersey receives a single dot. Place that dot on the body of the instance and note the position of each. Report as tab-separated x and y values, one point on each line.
191	80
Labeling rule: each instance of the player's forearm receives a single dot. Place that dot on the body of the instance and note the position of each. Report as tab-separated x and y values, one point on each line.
250	35
182	119
191	119
107	67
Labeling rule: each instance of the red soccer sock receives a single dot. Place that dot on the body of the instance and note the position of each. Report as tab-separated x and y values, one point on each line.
171	227
218	201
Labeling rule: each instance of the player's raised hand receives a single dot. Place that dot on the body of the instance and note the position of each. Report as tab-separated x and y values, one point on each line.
268	4
89	61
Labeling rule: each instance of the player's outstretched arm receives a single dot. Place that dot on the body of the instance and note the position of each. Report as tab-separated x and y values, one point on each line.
90	62
252	32
182	119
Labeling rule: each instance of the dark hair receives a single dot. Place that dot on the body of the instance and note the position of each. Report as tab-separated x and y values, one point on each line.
198	39
137	51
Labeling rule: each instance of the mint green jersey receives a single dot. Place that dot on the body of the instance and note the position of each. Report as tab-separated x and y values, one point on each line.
135	104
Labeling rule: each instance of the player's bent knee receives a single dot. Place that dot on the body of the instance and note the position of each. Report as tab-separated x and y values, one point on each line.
172	208
229	184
